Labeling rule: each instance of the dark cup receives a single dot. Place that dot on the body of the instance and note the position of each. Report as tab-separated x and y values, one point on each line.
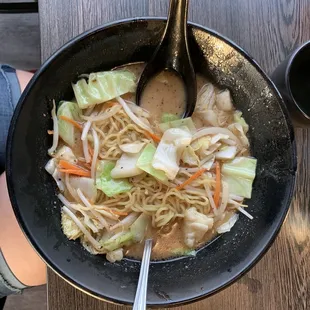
292	77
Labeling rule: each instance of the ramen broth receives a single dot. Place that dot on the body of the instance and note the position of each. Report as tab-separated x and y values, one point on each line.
147	197
165	94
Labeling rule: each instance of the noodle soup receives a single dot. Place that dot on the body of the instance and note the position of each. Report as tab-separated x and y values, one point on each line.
126	173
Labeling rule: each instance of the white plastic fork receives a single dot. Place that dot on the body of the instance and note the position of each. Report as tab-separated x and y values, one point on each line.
140	299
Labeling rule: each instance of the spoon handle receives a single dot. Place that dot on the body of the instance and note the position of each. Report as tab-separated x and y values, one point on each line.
176	30
140	299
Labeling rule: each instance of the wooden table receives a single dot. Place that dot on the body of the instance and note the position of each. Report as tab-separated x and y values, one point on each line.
267	29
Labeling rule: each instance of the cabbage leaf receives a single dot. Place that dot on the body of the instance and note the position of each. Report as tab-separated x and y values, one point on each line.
169	151
103	86
239	174
105	183
67	130
145	163
185	122
169	117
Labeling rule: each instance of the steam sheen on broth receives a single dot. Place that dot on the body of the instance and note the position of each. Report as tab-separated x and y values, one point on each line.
126	173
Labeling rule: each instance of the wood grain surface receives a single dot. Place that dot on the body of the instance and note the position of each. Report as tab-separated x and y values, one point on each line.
268	30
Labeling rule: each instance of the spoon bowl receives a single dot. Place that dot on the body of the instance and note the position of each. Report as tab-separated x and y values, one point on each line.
172	54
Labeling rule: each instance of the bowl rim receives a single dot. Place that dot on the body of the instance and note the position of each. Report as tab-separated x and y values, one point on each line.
268	240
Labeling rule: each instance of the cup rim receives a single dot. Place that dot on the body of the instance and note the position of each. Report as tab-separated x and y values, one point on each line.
291	60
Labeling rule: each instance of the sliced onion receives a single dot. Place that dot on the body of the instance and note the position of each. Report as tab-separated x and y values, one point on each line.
235	197
132	148
239	207
218	137
225	196
53	148
103	116
245	212
132	116
95	155
210	197
85	130
106	213
70	189
88	222
85	141
213	131
229	142
226	227
126	222
84	199
138	110
64	200
86	233
229	152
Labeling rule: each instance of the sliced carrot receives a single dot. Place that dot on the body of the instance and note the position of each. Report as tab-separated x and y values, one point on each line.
50	132
153	136
79	172
71	121
217	190
118	212
191	179
67	165
87	166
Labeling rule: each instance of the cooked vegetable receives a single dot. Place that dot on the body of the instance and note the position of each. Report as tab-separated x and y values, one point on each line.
68	113
132	148
67	165
227	226
208	162
126	166
185	122
206	98
105	183
139	227
51	168
79	172
169	150
213	131
209	118
124	177
189	156
124	238
191	179
145	163
153	136
103	86
239	174
224	101
218	137
196	225
183	252
70	229
126	222
66	153
169	117
132	116
239	119
86	233
116	255
86	185
217	190
226	152
53	148
237	130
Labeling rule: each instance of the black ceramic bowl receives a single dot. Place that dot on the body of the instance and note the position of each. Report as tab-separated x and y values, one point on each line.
171	282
